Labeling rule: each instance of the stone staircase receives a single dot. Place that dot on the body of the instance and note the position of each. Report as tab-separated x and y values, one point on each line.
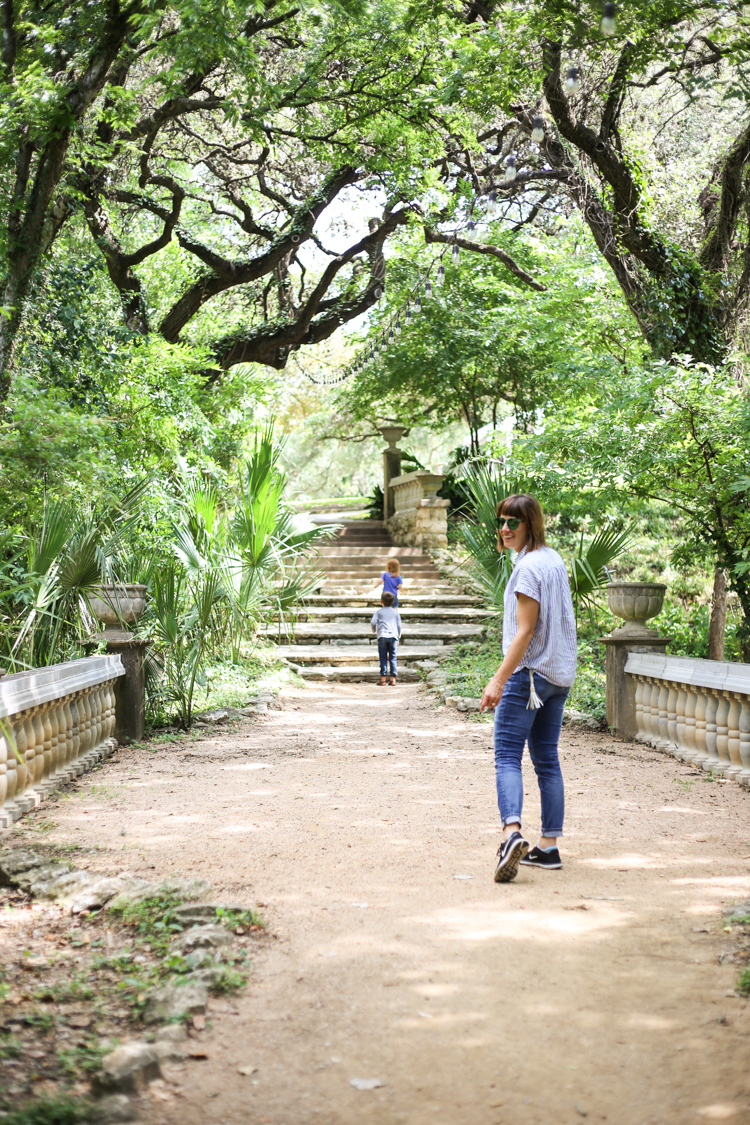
330	637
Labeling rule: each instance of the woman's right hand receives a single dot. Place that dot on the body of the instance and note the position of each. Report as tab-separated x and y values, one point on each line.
492	694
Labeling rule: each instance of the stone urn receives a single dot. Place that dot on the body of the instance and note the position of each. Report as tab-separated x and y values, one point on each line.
117	606
393	434
637	603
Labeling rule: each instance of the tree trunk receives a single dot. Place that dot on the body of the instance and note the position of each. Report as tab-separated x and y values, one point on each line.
718	621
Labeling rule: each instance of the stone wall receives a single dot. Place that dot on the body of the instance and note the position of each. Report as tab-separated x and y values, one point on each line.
55	723
423	526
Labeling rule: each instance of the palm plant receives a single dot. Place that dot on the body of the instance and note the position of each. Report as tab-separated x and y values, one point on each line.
72	554
487	484
229	571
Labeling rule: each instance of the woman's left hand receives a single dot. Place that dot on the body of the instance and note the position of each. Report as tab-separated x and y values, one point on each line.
491	695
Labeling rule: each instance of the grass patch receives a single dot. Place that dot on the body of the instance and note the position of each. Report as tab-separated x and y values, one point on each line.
57	1111
469	670
743	983
239	919
65	992
229	981
75	1062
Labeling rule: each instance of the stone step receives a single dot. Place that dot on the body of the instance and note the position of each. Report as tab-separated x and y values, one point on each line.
364	553
362	573
351	655
433	614
356	674
413	633
406	598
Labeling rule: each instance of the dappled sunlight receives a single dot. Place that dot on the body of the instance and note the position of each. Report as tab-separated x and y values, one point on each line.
482	923
650	1022
248	766
631	862
722	1111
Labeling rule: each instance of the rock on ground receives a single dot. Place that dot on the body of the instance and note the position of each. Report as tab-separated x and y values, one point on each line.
175	1001
128	1068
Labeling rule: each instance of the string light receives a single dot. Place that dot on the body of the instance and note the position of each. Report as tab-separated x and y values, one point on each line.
440	279
609	24
427	289
472	226
537	133
573	80
510	168
455	251
417	303
492	203
397	326
391	337
408	316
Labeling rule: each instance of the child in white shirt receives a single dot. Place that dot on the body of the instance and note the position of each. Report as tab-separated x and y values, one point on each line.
386	623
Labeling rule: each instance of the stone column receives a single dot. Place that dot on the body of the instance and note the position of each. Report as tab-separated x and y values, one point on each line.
621	689
391	466
130	689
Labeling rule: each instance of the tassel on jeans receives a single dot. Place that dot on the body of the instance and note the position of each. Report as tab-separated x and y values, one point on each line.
534	701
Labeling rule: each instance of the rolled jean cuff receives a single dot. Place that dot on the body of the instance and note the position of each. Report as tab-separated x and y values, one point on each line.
512	819
551	834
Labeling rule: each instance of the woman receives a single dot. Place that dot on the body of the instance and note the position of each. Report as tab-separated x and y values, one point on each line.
532	683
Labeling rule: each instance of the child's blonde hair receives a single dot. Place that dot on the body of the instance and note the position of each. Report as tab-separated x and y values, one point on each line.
393	566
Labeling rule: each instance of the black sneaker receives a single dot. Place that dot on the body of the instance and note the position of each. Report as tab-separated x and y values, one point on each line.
510	853
548	858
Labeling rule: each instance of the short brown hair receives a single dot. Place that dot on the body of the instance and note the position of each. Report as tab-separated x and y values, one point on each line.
387	597
526	508
393	566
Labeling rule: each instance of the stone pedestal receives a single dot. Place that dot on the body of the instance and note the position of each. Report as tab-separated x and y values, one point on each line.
391	470
391	466
130	689
621	714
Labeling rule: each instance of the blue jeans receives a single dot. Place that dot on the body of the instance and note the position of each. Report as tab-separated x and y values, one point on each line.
387	647
514	725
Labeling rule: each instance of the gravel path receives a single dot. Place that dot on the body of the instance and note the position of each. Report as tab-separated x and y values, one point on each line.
365	821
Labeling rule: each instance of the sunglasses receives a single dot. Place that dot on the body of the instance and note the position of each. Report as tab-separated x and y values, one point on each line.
510	521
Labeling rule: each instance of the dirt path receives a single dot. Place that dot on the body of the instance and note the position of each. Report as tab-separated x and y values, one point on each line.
366	822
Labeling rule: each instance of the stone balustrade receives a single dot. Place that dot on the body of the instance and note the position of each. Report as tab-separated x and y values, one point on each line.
698	710
55	724
420	518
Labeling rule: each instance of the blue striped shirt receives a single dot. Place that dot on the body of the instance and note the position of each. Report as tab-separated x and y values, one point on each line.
542	575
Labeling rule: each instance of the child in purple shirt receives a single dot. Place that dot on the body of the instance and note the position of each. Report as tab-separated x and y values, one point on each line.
390	580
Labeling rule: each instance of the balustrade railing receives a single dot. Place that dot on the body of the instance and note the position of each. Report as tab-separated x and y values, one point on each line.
55	723
698	710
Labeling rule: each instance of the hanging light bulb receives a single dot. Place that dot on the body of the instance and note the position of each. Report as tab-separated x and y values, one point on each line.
407	315
384	343
427	289
375	350
456	252
391	336
609	24
417	303
440	279
537	133
492	203
472	226
397	326
573	80
510	168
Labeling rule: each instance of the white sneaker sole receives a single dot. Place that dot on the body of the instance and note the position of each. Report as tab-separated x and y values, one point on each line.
507	869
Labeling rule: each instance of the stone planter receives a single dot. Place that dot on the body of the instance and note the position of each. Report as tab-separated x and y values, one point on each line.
115	606
636	603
